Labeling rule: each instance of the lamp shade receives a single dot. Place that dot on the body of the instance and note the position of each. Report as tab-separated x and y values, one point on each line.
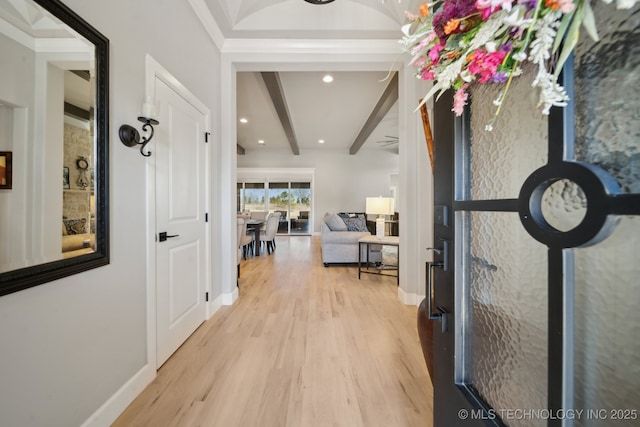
379	206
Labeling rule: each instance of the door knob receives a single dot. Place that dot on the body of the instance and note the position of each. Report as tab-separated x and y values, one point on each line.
162	236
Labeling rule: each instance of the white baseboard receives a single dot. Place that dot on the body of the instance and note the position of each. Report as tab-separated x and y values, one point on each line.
215	305
409	298
116	404
230	298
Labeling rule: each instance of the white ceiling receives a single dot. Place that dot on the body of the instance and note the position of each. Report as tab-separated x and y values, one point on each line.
334	112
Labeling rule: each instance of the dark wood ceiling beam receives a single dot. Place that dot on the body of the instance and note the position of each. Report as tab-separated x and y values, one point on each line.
386	101
272	81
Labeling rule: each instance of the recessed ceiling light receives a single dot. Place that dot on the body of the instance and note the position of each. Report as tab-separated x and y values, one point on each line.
321	141
243	120
261	141
328	78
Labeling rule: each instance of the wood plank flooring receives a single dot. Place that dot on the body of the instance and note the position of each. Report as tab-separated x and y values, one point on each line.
304	346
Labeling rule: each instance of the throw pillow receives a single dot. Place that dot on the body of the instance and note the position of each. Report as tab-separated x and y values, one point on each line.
354	223
335	223
75	226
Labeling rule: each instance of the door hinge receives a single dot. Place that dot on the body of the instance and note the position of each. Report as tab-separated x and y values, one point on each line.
206	136
206	217
206	296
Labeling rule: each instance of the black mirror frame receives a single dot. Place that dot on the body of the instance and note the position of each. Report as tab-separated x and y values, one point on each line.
23	278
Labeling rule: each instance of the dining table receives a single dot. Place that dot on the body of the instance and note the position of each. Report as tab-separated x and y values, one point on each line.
255	226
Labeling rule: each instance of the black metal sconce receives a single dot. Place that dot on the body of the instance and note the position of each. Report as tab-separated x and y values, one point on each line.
131	137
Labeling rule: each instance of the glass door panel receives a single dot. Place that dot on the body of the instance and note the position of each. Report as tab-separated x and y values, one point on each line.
607	327
301	208
239	197
506	270
502	159
279	200
607	319
254	198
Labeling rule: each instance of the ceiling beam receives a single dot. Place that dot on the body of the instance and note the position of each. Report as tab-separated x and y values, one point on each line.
239	150
272	81
386	101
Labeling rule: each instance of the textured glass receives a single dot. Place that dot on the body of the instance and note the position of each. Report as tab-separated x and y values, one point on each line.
564	205
607	326
607	80
607	301
508	282
502	159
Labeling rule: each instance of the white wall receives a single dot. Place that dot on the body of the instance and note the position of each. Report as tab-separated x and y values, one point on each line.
341	181
73	345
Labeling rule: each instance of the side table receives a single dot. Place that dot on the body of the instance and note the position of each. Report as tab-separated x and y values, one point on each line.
373	240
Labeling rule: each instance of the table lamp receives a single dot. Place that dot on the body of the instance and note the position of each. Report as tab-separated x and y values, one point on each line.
380	206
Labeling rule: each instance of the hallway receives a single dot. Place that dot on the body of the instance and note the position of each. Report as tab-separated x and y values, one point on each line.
304	346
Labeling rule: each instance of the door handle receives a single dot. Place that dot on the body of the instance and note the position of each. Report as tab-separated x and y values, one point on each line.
441	315
162	236
443	254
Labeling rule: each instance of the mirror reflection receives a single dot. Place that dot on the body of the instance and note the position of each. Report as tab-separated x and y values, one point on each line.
48	115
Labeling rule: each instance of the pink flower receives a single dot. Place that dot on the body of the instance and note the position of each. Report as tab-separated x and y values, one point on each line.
485	64
567	6
427	74
424	42
434	53
411	16
487	7
420	62
460	100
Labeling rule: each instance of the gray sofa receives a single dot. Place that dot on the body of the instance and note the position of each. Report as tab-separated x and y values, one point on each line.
340	246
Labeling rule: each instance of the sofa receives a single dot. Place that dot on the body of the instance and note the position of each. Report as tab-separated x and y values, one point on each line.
77	238
78	244
340	234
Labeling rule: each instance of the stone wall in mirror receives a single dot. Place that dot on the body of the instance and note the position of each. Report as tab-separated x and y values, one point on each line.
53	130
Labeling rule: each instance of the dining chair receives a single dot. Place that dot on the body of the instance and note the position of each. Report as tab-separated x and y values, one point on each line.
268	236
242	226
245	241
258	215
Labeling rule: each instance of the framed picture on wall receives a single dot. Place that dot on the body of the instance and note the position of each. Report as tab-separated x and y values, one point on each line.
6	170
65	178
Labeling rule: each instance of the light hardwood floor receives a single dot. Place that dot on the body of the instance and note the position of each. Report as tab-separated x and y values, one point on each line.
304	346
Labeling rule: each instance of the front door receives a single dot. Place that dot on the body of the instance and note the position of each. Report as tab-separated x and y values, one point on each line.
537	238
179	148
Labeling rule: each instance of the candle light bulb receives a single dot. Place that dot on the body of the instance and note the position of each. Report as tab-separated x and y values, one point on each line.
148	109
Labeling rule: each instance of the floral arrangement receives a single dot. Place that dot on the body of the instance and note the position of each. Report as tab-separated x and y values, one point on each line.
460	42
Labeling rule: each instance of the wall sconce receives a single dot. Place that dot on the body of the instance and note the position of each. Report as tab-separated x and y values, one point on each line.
130	135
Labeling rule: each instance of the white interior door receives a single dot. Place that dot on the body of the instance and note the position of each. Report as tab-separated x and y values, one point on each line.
179	147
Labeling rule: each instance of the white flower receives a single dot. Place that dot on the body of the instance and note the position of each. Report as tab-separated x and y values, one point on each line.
488	31
520	56
515	18
491	47
466	76
625	4
551	93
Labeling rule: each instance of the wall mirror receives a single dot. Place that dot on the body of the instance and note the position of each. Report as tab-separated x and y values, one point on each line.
54	123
